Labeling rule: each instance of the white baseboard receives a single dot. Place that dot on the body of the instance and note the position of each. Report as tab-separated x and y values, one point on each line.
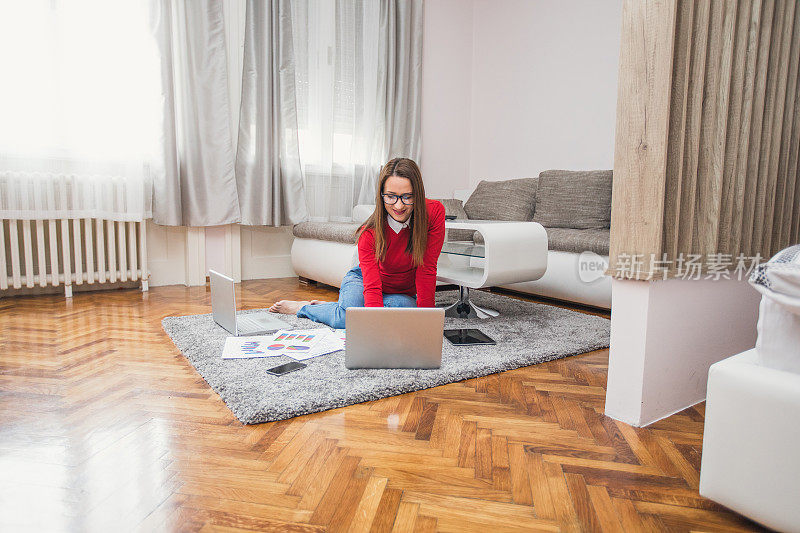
166	254
178	255
266	252
279	266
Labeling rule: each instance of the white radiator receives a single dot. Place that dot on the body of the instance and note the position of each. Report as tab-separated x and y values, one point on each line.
71	252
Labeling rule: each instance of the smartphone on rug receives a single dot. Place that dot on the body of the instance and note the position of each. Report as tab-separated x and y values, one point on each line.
285	368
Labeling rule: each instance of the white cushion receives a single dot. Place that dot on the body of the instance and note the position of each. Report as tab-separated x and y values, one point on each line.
778	343
362	212
778	280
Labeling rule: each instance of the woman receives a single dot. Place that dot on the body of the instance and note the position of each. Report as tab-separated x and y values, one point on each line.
398	248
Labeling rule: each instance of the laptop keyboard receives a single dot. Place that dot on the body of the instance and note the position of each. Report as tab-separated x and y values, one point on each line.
249	323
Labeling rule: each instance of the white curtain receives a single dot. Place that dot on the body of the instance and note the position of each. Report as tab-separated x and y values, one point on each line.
340	133
268	172
79	109
343	83
196	184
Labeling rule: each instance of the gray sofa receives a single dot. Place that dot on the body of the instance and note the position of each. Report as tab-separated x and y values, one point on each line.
573	206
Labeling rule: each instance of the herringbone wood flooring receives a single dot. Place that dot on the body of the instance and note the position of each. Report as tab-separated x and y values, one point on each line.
104	426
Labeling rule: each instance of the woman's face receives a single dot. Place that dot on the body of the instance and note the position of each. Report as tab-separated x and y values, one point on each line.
401	189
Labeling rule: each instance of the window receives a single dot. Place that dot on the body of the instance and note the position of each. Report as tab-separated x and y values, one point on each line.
80	98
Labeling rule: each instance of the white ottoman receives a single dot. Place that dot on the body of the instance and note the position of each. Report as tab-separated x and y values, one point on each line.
751	443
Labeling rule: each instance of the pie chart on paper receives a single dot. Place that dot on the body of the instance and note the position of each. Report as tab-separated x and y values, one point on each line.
276	347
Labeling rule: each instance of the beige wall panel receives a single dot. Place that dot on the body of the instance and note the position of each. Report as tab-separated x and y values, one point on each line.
691	137
642	125
681	73
733	180
754	156
786	186
743	184
773	116
715	119
794	174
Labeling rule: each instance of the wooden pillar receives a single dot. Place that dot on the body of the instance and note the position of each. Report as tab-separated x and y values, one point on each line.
705	172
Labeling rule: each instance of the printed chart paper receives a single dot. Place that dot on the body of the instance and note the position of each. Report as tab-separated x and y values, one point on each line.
295	343
247	347
333	341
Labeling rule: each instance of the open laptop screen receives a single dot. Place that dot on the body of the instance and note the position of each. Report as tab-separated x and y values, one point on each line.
223	301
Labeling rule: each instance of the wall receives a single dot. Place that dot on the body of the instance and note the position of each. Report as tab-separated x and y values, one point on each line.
544	86
513	87
446	95
166	254
654	372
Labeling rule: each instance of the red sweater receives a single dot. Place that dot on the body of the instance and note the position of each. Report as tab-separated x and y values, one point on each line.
396	274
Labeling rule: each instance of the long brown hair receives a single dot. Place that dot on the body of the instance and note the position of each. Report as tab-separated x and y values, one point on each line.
418	223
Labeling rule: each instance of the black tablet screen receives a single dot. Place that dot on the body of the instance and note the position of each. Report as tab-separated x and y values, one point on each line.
461	337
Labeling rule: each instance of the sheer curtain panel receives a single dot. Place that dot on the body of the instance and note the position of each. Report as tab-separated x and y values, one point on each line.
343	80
79	107
338	105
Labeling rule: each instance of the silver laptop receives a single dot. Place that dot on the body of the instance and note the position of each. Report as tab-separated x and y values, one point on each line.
394	337
223	307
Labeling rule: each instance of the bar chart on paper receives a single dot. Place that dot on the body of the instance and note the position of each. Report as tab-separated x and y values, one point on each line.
331	341
297	344
295	341
247	347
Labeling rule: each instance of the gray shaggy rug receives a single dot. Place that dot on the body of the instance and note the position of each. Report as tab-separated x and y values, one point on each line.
526	333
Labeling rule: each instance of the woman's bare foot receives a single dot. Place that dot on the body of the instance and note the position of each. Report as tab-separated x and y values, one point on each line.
291	307
288	307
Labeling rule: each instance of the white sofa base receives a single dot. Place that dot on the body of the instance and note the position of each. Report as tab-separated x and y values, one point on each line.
751	439
323	261
328	262
562	281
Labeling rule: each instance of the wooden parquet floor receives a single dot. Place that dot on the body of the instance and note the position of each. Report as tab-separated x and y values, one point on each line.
104	426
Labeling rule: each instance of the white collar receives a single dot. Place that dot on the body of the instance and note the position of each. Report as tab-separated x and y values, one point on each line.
396	226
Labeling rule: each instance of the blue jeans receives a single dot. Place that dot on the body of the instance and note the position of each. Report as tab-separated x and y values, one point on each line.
351	294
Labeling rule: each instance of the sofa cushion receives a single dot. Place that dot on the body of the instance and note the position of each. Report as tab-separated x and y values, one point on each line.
344	232
574	199
503	200
453	206
578	240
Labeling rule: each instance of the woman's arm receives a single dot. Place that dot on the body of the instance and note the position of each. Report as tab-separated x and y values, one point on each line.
426	273
373	289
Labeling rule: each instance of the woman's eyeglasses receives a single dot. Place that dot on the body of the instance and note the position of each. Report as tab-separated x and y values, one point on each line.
391	199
